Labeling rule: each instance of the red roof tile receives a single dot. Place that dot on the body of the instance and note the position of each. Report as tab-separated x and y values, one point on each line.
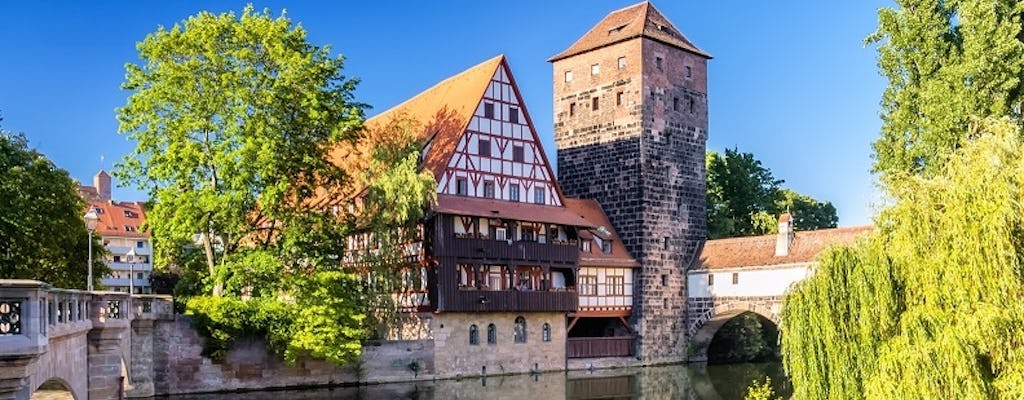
592	211
760	250
479	207
638	20
114	217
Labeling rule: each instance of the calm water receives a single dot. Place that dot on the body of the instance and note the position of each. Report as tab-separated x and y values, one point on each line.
715	382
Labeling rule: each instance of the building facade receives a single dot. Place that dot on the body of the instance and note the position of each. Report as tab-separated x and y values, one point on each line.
129	250
631	123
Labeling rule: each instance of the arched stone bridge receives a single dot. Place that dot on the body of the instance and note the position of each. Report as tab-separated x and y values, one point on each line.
80	341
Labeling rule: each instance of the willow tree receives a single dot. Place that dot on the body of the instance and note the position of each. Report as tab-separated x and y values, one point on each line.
237	122
928	307
947	61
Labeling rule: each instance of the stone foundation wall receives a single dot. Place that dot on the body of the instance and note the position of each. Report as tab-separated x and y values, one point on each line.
454	356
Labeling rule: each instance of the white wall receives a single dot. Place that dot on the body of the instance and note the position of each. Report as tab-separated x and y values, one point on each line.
759	281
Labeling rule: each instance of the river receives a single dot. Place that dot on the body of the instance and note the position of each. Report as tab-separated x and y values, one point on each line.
714	382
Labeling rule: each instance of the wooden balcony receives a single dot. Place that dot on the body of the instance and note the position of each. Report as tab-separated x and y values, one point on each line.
512	301
489	249
616	346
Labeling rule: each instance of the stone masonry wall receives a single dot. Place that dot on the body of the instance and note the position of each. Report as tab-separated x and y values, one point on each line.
641	155
179	366
454	356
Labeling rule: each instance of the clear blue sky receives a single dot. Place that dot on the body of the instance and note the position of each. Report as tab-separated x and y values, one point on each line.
791	82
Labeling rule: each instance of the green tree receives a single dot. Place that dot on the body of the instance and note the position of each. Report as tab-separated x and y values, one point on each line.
249	140
42	233
745	199
933	295
948	63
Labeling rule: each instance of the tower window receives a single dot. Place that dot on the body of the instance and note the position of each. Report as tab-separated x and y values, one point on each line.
517	154
568	76
618	98
572	109
735	278
538	195
622	62
488	110
711	279
461	186
689	73
594	103
658	63
664	280
675	104
665	244
484	147
513	115
489	189
595	69
690	101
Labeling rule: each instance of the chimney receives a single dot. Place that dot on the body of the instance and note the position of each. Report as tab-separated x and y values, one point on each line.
102	183
784	240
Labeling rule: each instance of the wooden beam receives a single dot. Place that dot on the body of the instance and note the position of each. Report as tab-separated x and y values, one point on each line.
626	324
572	324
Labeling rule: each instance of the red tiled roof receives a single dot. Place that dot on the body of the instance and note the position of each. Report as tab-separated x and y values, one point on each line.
115	216
760	250
479	207
592	211
638	20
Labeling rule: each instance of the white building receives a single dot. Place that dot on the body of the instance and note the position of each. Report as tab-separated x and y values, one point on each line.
129	248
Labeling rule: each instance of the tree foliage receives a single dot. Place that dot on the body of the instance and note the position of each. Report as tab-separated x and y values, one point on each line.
746	338
745	199
249	140
947	62
42	233
932	295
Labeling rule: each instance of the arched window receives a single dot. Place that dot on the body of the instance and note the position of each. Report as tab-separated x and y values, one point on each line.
474	335
492	334
520	330
545	332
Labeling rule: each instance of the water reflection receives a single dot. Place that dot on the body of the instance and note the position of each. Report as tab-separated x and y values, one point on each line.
715	382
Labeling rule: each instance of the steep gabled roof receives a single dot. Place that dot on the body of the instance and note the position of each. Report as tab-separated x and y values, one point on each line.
591	210
520	211
638	20
442	112
760	250
115	218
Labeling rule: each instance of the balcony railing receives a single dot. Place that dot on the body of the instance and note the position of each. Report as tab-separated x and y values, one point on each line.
512	300
615	346
563	253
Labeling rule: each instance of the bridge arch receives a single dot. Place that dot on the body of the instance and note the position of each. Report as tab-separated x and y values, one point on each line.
54	389
703	329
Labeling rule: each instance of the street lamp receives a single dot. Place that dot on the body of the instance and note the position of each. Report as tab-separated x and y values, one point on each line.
131	270
90	223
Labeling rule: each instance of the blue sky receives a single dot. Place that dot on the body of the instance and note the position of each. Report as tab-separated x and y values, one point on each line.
791	82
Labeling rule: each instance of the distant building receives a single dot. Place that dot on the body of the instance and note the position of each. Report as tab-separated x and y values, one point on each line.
119	229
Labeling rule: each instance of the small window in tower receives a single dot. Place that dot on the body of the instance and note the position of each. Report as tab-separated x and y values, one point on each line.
488	110
572	109
568	76
594	103
618	99
658	63
664	280
483	147
711	279
539	196
735	278
690	101
665	244
517	154
461	186
675	104
513	115
622	62
513	193
595	69
489	189
689	73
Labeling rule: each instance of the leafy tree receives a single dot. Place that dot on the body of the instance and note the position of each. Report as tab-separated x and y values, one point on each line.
933	295
948	63
745	199
249	141
746	338
42	233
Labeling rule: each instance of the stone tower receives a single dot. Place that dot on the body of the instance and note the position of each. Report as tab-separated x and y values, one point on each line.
631	120
101	181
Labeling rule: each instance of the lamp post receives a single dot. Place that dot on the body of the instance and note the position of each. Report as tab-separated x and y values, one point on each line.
90	224
131	270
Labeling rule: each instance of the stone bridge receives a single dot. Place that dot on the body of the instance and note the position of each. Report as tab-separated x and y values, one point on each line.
716	296
75	341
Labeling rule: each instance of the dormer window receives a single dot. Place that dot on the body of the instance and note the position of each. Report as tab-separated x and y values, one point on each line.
129	228
606	247
585	246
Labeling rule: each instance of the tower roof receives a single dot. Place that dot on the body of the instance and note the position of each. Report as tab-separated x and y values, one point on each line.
639	20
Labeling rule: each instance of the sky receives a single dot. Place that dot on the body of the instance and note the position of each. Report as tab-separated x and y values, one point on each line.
791	82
